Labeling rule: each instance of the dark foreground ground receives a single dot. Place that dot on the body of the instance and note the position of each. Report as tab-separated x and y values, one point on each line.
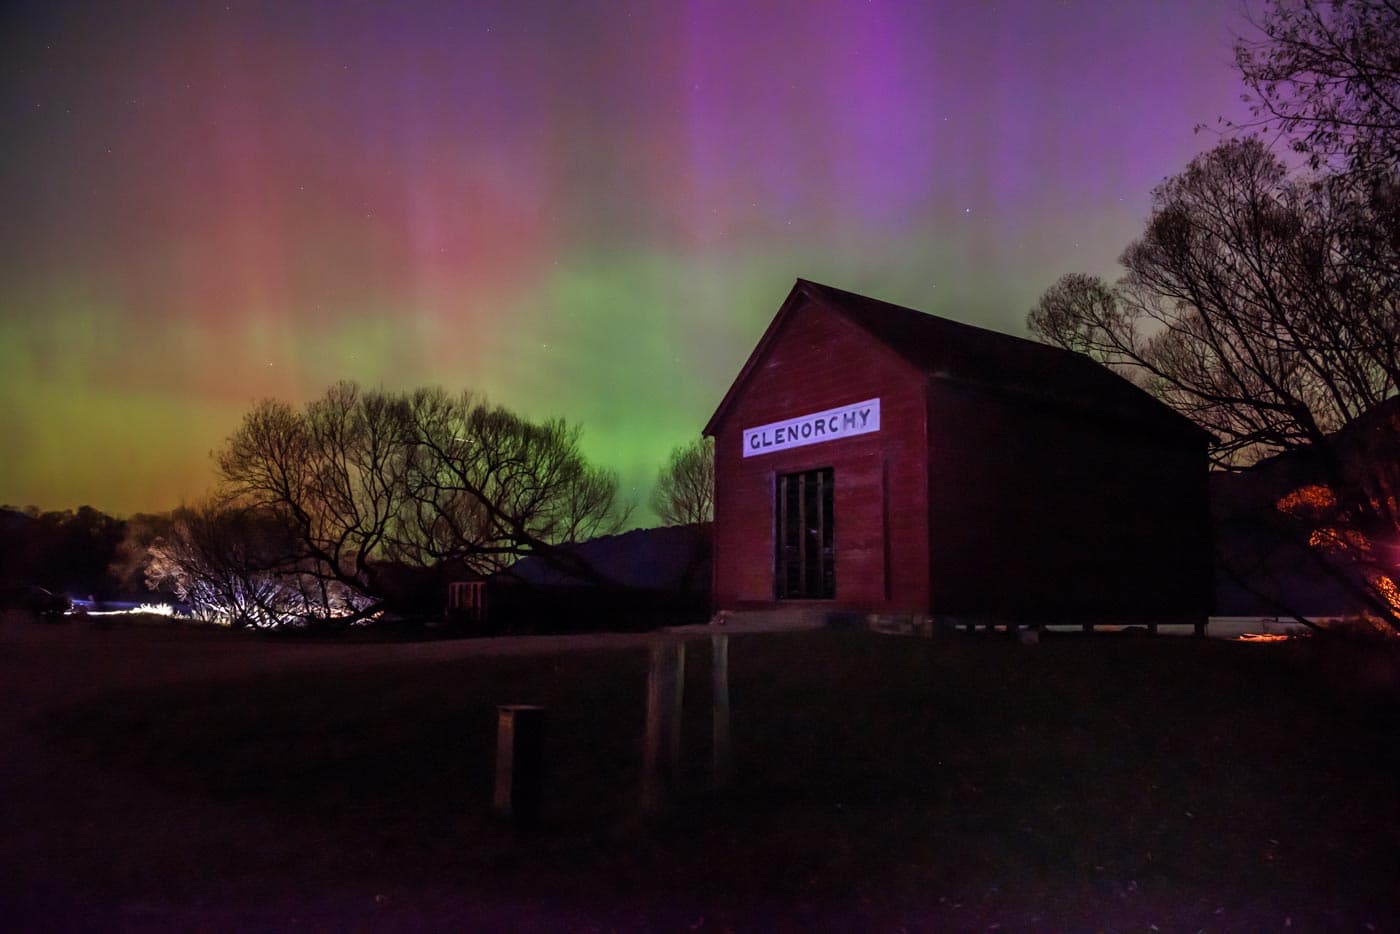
156	778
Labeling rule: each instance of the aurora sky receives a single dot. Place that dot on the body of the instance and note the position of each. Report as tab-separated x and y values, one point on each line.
581	209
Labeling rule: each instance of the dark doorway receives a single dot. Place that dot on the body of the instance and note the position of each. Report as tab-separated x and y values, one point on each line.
805	563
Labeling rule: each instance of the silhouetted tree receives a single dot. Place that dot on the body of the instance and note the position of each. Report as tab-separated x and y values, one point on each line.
1327	76
1247	304
244	566
485	487
423	478
685	487
1261	307
335	470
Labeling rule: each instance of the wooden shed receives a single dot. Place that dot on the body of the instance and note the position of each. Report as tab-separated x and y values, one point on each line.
873	459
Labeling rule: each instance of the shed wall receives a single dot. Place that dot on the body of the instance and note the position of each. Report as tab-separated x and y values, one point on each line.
1039	512
820	360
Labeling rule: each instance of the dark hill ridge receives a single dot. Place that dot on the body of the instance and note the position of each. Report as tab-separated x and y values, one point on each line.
666	558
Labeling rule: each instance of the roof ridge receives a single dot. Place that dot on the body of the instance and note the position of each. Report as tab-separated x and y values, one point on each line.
942	318
980	358
963	337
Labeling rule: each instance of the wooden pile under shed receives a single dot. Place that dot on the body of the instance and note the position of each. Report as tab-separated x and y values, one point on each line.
873	459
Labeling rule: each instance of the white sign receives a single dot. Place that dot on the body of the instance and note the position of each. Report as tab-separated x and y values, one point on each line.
860	418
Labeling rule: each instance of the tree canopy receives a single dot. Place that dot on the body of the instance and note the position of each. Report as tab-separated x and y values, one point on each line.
363	478
1327	77
685	487
1259	305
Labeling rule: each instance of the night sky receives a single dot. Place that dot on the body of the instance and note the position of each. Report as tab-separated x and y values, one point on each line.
580	209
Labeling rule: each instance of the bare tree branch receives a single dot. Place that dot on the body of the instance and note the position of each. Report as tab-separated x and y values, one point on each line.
685	487
1267	310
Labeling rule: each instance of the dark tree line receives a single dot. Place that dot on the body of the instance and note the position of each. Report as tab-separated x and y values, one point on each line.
62	550
1266	305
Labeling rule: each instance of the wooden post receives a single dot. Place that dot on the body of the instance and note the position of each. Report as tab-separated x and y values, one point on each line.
723	760
1200	627
1088	627
520	763
665	695
677	705
1152	627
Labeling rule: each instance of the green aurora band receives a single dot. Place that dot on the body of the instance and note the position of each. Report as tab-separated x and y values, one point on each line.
574	211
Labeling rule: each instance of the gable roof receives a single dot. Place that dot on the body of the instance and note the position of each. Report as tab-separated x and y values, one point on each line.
949	350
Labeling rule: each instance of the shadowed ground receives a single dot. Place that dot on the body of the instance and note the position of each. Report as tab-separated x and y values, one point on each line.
171	777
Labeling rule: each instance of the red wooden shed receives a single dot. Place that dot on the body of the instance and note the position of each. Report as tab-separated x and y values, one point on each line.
873	459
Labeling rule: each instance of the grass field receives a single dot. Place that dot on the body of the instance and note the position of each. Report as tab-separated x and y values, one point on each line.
1115	782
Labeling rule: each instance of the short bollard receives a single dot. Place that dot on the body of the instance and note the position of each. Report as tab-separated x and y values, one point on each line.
520	763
